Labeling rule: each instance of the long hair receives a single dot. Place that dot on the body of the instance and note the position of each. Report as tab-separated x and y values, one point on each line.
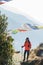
27	39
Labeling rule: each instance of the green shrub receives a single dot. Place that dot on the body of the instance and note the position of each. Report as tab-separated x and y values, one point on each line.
6	48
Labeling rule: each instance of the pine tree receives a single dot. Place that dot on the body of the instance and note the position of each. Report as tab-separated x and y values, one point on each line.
6	47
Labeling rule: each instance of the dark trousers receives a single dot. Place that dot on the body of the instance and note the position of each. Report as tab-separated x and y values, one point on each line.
26	51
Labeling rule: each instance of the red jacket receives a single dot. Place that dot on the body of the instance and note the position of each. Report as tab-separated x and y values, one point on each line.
27	45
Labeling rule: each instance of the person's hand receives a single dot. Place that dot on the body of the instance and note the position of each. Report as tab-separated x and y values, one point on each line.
22	46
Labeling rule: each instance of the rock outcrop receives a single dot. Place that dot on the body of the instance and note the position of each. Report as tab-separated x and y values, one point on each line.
36	56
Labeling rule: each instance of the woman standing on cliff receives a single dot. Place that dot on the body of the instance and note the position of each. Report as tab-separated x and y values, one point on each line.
27	46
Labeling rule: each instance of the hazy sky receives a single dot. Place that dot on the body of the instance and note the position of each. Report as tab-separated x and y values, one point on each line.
31	9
